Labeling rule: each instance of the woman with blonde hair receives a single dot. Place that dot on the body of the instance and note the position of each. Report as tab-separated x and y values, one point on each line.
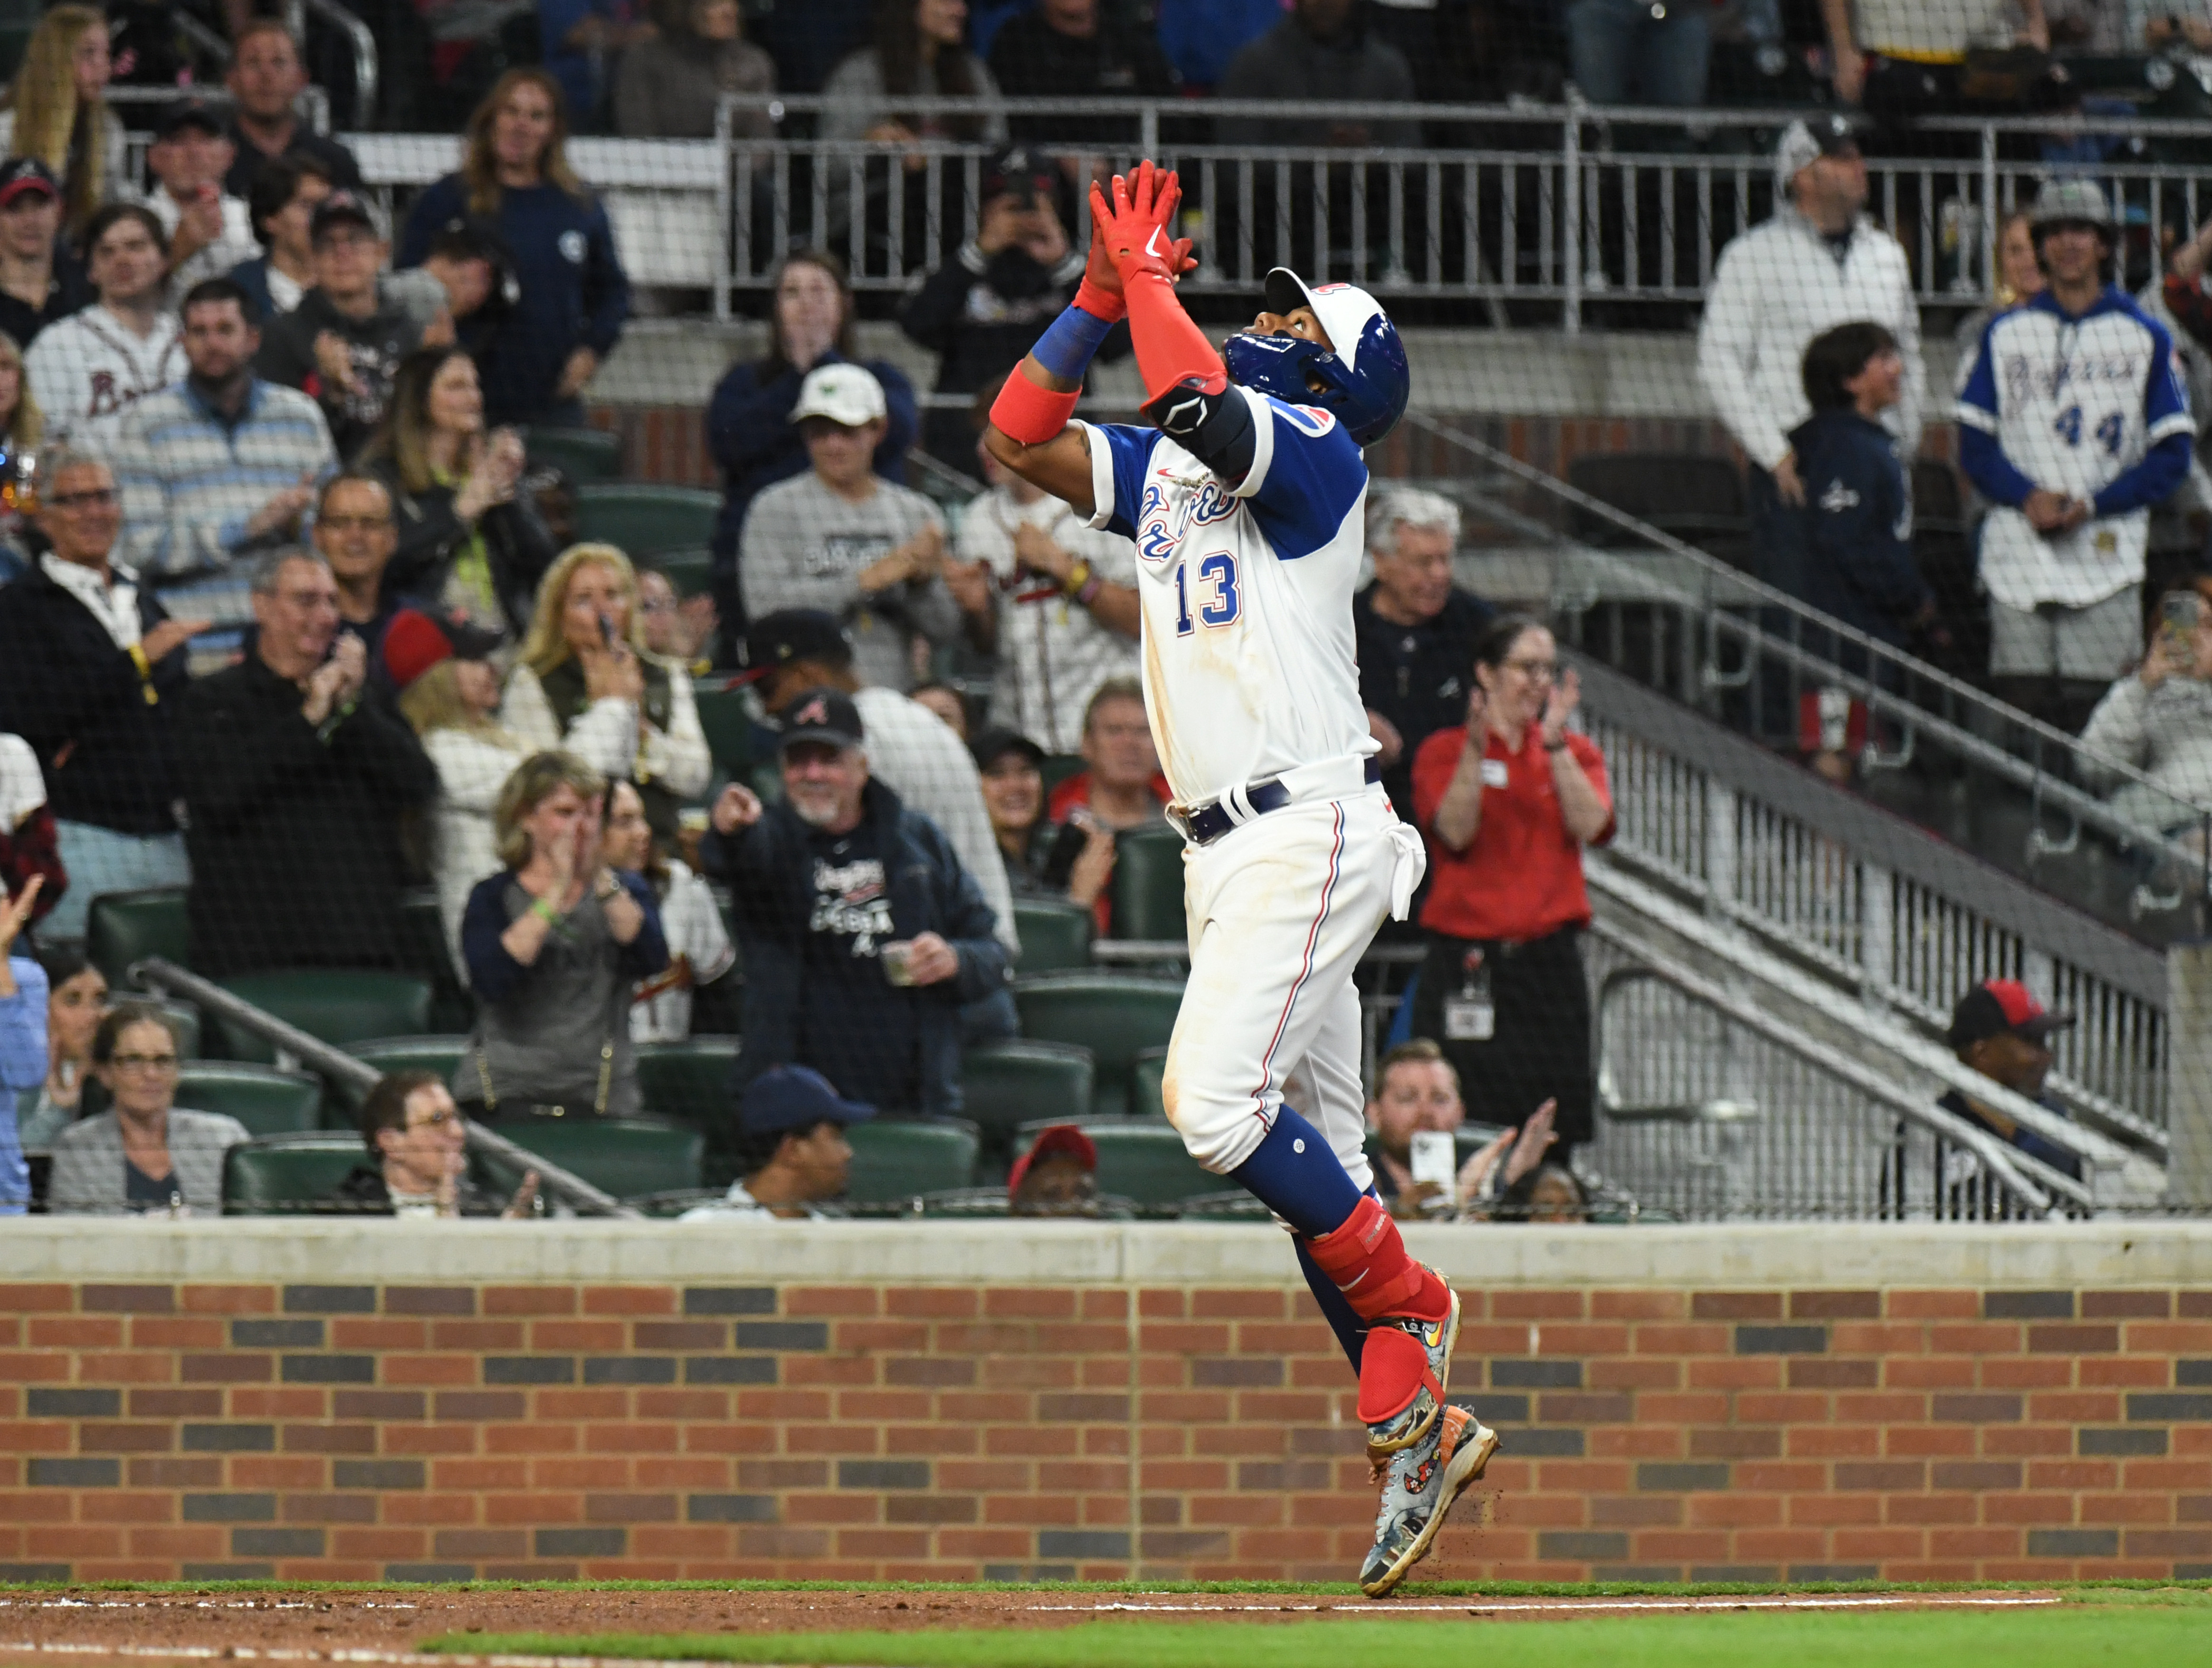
553	943
587	682
469	537
22	427
574	295
57	111
449	695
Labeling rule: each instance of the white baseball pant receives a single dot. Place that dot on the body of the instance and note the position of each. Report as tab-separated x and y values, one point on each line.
1281	910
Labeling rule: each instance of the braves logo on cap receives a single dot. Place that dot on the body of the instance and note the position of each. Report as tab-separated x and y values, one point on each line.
815	714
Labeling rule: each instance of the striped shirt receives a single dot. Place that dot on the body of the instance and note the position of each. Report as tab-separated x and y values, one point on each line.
191	482
89	368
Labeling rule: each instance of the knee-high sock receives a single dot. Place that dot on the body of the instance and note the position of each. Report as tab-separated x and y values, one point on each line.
1295	1173
1351	1330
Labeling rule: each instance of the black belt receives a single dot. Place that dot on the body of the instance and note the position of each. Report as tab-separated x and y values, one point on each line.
1209	823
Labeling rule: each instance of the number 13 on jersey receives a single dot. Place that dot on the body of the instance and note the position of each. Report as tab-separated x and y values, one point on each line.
1216	607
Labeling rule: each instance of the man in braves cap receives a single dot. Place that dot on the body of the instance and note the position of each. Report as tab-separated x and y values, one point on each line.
2003	1032
210	231
39	280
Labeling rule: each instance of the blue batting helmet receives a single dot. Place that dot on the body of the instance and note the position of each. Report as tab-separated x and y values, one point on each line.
1364	381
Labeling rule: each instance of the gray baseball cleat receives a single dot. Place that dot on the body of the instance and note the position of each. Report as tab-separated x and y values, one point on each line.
1419	1484
1418	1418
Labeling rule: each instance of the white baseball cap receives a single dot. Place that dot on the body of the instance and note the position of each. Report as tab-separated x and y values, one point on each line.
845	394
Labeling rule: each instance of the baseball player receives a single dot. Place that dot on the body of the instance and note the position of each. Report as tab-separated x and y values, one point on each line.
1246	500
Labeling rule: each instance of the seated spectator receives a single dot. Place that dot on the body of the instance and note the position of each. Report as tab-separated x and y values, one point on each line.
418	1150
92	668
669	86
1548	1193
1008	764
448	691
1414	629
296	788
843	539
2071	487
1501	1183
910	751
1627	52
1078	48
981	311
57	112
1320	54
40	281
286	193
343	343
88	369
682	631
920	52
147	1153
1120	790
354	533
1067	613
218	467
554	944
1058	1176
265	80
22	431
749	428
863	936
1416	1092
2003	1032
585	43
2158	719
946	702
571	294
470	540
1508	801
792	1155
699	949
22	1040
209	230
586	682
29	847
76	1001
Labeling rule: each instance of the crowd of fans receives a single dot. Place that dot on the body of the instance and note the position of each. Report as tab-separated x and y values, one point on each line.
250	436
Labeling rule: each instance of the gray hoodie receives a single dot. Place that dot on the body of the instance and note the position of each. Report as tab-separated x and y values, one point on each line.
2166	734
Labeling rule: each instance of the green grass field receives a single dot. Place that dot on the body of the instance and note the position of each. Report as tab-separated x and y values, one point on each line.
2168	1627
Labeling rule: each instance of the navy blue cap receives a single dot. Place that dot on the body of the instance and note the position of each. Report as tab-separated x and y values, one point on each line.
796	1097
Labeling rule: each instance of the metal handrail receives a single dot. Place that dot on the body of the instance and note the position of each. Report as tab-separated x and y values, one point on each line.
339	1067
359	39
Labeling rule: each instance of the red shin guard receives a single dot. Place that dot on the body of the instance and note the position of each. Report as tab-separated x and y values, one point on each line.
1394	1368
1169	347
1366	1260
1029	414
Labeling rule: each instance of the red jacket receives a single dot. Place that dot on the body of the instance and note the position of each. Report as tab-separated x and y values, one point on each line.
1522	876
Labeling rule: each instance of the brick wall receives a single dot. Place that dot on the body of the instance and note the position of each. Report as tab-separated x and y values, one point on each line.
558	1430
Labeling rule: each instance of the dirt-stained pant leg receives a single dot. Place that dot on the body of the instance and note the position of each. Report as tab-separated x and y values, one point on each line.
1280	911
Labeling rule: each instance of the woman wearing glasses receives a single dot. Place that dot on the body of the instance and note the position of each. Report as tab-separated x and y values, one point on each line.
146	1153
1508	801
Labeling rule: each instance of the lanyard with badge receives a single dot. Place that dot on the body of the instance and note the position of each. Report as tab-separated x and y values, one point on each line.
1469	1014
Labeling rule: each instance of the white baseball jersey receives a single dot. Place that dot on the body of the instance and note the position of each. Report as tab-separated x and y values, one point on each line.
1250	666
89	368
2074	405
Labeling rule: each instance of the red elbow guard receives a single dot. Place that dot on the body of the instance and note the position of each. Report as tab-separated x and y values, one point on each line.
1029	414
1169	348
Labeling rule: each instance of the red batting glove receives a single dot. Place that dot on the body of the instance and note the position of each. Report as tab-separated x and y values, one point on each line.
1133	225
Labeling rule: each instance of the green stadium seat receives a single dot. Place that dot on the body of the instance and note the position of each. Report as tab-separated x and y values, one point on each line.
1148	885
1005	1085
581	454
438	1053
643	518
619	1155
337	1004
688	571
285	1174
1055	934
266	1100
727	723
901	1158
1145	1072
1116	1016
1143	1161
689	1080
123	927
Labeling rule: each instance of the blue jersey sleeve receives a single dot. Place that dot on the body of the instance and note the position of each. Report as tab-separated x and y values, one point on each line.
1119	454
1306	475
2166	400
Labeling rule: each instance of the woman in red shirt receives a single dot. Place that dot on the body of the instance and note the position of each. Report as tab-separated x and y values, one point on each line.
1508	800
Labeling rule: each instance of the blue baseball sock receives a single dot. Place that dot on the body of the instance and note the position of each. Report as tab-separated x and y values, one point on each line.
1295	1173
1351	1330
